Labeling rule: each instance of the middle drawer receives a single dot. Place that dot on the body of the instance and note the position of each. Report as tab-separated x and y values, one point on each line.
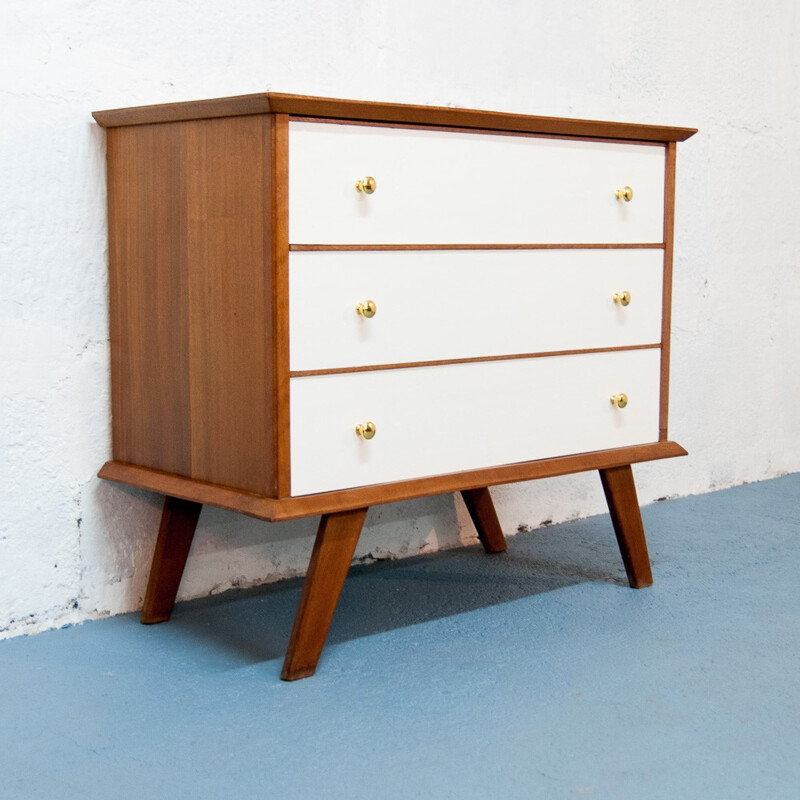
433	305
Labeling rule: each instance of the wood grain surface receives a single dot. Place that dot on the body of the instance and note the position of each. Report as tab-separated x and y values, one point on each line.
175	534
305	106
330	561
623	505
666	296
270	508
191	299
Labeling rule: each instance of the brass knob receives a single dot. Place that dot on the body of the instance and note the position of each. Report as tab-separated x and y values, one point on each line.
366	185
625	194
366	430
622	298
619	400
367	309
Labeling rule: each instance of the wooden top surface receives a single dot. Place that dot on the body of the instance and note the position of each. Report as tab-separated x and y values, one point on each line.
327	108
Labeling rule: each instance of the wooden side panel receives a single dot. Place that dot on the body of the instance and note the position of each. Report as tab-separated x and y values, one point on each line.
191	239
227	165
148	285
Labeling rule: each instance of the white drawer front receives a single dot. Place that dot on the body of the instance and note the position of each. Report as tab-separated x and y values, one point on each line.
444	419
443	187
447	304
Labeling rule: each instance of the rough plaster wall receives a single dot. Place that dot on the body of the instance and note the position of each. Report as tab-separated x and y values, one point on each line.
72	547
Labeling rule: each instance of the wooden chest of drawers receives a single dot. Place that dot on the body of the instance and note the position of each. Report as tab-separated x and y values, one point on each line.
320	305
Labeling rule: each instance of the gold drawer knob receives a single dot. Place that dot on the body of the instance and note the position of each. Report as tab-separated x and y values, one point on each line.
366	185
622	298
619	400
625	194
367	309
366	430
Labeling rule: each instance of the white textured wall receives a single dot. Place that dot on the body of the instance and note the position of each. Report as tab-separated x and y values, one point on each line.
72	547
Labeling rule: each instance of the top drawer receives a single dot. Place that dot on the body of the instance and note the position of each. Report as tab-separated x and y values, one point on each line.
446	187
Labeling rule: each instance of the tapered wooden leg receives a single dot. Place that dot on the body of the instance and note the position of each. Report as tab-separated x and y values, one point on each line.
333	551
623	506
481	509
178	524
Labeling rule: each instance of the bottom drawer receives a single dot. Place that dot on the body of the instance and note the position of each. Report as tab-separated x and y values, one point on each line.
450	418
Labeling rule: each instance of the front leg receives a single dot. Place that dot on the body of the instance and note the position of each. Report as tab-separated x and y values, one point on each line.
333	551
623	505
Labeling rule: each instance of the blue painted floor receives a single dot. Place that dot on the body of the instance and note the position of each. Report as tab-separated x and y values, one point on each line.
532	674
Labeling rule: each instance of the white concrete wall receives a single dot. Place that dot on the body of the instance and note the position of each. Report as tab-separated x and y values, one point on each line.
72	547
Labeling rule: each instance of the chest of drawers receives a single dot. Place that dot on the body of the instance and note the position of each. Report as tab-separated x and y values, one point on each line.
321	305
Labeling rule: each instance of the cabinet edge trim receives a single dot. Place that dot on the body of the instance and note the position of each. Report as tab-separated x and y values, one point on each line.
276	509
322	107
